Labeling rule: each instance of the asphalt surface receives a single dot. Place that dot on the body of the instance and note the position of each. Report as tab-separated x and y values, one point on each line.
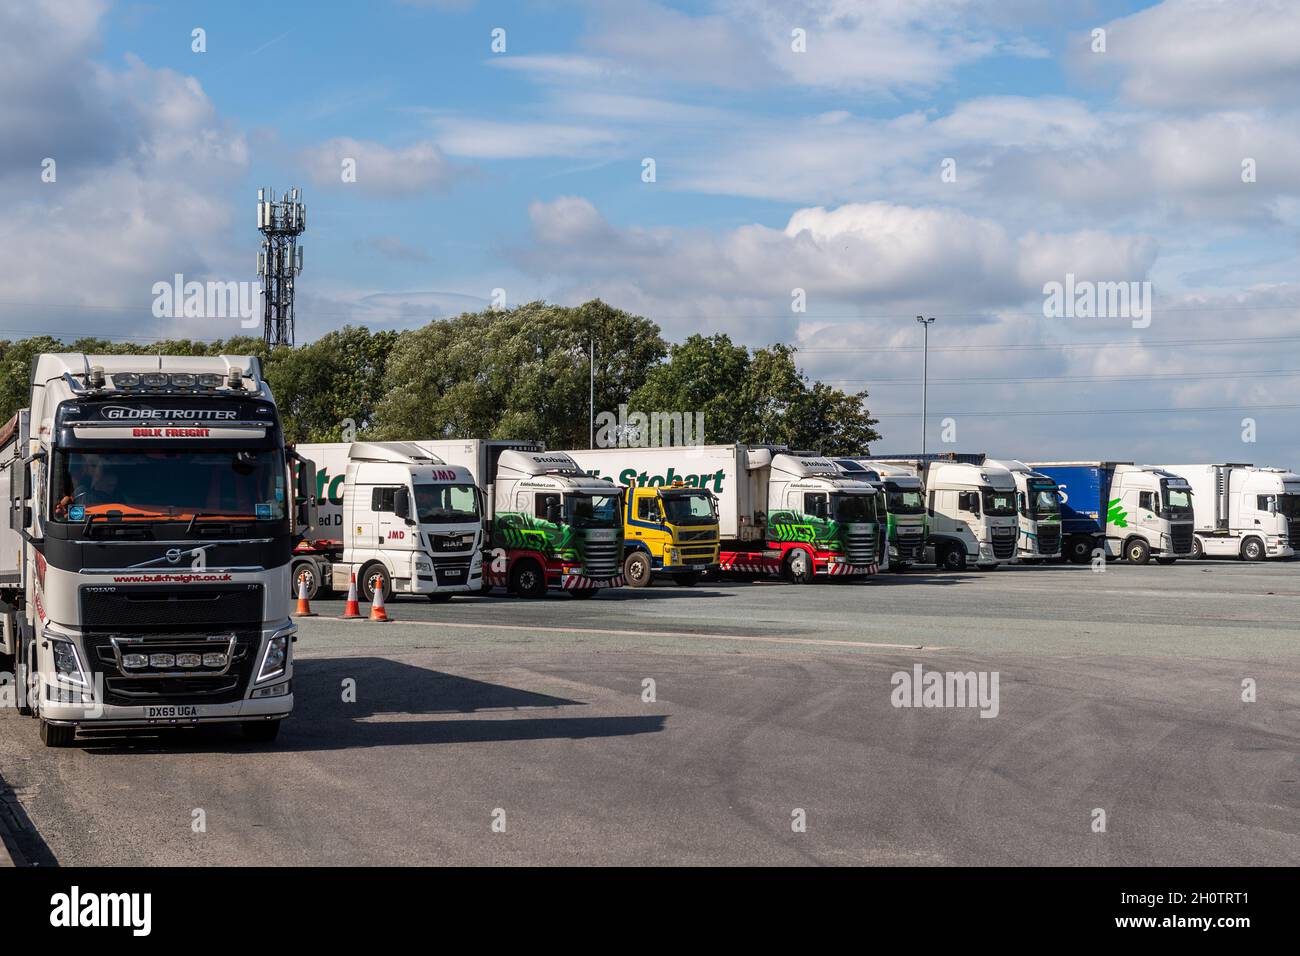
1119	691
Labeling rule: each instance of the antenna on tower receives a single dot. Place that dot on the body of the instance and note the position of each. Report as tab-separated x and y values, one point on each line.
279	261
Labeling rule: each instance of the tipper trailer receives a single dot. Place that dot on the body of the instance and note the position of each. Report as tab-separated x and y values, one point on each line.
395	516
670	521
1136	512
970	503
551	525
144	572
1242	511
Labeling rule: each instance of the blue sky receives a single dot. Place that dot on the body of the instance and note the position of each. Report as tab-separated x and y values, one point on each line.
776	169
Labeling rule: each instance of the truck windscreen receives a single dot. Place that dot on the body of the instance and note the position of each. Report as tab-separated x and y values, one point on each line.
999	503
1045	502
853	508
170	484
592	511
443	504
1289	507
1178	502
905	501
683	508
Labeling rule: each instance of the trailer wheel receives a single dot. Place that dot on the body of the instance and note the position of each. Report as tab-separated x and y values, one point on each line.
54	735
1079	550
636	569
1137	551
260	731
687	579
1252	549
953	558
798	566
527	579
374	578
304	572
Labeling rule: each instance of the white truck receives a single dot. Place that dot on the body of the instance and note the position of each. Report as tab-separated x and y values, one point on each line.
144	572
901	509
971	506
552	525
1242	511
1039	504
1117	508
394	515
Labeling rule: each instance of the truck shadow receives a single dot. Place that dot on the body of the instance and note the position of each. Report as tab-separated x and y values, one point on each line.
352	702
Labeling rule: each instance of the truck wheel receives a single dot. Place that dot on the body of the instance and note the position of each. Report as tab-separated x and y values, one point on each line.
953	558
527	580
374	578
798	566
440	597
304	571
585	594
1079	550
1198	549
260	731
1252	550
636	570
1137	551
53	735
687	579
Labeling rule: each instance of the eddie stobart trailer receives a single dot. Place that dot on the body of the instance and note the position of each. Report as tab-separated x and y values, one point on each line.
551	525
1242	511
397	517
1134	512
144	573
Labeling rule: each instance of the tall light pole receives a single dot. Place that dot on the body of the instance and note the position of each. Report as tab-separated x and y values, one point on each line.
591	399
925	371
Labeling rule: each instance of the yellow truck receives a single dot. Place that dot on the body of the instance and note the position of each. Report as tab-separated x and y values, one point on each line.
670	520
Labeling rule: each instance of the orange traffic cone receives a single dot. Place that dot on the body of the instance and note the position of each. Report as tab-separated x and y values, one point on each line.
304	606
352	609
377	612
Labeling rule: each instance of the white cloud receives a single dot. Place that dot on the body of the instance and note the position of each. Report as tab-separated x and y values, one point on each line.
503	139
381	170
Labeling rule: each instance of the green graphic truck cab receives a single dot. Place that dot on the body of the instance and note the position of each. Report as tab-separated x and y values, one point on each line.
901	504
554	526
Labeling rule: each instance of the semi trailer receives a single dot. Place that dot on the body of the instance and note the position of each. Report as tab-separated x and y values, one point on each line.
1242	511
394	516
144	570
902	507
970	503
1039	503
670	522
1122	510
551	525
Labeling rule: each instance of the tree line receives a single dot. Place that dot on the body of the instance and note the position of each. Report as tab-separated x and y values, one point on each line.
515	373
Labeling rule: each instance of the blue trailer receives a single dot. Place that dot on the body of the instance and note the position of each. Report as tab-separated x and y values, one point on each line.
1084	488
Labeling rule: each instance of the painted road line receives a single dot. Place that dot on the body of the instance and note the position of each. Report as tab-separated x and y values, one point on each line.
810	641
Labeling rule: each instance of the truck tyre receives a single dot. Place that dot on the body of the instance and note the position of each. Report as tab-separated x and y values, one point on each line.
687	579
584	594
1137	551
53	735
798	566
636	569
1198	549
953	558
260	731
1078	550
440	597
1252	549
305	571
527	579
374	577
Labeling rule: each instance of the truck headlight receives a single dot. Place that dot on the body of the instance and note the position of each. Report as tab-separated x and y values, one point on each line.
276	657
672	555
424	566
986	550
67	664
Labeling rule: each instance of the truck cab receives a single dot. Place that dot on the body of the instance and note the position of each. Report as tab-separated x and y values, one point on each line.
554	526
1039	503
1242	511
401	520
669	531
821	521
903	509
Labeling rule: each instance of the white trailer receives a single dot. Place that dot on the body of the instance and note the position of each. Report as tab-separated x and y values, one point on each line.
1242	511
395	516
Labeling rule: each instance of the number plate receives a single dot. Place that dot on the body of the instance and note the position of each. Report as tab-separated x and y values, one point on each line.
171	712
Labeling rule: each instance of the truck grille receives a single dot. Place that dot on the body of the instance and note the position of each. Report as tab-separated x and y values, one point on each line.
909	542
706	534
1180	535
1004	542
1293	533
134	687
860	547
699	555
195	607
602	558
1049	538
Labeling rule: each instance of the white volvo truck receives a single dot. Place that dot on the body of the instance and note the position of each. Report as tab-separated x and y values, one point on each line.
396	516
1039	504
144	572
971	506
1242	511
